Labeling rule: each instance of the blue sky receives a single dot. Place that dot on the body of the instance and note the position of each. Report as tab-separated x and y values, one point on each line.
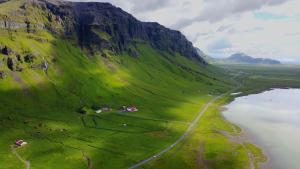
269	16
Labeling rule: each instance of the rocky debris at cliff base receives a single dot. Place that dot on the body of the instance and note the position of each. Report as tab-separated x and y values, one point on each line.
19	68
19	58
29	58
6	51
2	1
13	61
44	65
10	64
2	75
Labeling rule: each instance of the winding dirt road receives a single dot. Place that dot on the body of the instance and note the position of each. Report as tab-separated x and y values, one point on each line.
89	161
27	163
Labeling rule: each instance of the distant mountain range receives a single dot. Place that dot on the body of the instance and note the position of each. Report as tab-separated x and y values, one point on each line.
238	58
246	59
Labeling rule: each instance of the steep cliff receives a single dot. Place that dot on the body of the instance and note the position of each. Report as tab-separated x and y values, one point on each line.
98	26
62	62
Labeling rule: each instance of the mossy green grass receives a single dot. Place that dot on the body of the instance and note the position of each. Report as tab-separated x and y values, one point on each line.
42	108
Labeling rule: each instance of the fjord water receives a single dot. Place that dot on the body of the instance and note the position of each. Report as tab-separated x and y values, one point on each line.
272	121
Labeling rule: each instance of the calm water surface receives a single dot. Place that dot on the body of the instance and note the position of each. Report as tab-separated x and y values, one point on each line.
271	120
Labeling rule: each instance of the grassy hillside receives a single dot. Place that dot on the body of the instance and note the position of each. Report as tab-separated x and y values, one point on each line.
53	107
42	107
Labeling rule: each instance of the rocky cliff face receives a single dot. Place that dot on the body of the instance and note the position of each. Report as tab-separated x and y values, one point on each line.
105	26
100	26
2	1
7	23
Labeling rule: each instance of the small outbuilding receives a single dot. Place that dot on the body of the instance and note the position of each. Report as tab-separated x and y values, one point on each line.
20	143
105	109
132	109
98	111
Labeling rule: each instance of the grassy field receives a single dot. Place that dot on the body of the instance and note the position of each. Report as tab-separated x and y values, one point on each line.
210	145
42	108
261	78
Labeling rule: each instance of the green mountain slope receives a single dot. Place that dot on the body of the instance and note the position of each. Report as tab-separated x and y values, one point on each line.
47	80
36	106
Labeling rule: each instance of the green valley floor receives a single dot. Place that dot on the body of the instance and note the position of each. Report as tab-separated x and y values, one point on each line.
55	111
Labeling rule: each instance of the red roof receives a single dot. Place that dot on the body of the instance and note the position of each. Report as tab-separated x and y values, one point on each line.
132	109
19	142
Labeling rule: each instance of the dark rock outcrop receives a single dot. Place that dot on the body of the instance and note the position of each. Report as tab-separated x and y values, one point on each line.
102	25
29	58
98	26
19	58
6	51
2	74
2	1
10	64
44	65
7	23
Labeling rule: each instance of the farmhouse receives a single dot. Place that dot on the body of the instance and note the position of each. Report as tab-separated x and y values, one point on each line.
132	109
105	109
20	143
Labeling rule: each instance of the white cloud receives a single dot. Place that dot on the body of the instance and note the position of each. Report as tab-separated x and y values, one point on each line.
216	10
272	38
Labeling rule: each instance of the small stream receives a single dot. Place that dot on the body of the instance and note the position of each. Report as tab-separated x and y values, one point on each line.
272	121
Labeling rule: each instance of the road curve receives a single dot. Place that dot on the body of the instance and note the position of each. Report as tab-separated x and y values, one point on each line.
191	126
89	161
27	163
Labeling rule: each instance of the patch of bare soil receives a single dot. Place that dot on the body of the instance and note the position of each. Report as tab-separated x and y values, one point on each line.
158	134
240	139
108	64
27	163
88	160
201	162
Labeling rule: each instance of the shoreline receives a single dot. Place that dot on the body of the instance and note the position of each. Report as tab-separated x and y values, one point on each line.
246	136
